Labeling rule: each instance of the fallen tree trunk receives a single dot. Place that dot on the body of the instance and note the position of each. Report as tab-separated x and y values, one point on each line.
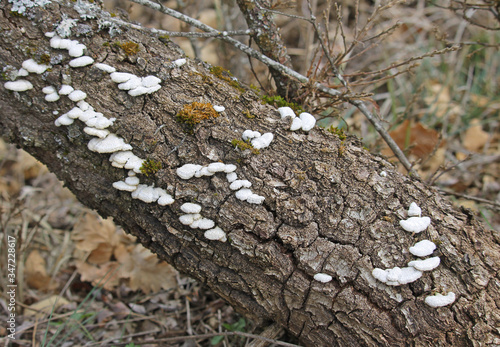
329	206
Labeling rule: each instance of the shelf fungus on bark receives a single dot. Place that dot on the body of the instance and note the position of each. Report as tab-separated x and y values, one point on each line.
180	62
33	67
215	234
250	134
105	67
397	276
263	141
425	264
18	86
191	208
415	224
81	61
414	210
77	95
322	277
439	300
423	248
109	144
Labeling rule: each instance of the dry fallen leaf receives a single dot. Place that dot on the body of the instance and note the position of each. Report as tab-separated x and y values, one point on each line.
105	275
417	139
95	238
475	137
99	243
145	271
35	271
43	308
440	101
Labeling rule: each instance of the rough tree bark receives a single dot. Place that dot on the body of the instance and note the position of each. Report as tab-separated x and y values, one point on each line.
327	207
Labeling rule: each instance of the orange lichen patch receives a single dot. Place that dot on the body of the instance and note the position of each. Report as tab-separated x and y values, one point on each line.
195	112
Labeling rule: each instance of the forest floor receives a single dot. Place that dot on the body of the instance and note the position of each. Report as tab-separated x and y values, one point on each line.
83	282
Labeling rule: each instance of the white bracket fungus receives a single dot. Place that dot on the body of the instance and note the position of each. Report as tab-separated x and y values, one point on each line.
188	219
77	95
425	264
216	234
216	167
203	223
75	112
262	141
22	72
415	224
409	275
101	133
286	112
134	163
440	300
250	134
187	171
180	62
219	108
414	210
203	172
32	66
48	90
145	193
120	158
383	174
308	121
120	185
18	86
228	168
255	199
76	50
66	89
105	67
323	278
121	77
165	199
100	122
109	144
238	184
52	97
84	105
305	121
423	248
81	61
63	120
50	94
296	124
132	83
231	177
132	180
397	276
150	81
191	208
243	194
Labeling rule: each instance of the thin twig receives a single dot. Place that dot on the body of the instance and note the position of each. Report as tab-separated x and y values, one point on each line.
470	197
182	33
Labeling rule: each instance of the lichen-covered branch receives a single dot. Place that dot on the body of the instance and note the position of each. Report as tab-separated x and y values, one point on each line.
301	227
